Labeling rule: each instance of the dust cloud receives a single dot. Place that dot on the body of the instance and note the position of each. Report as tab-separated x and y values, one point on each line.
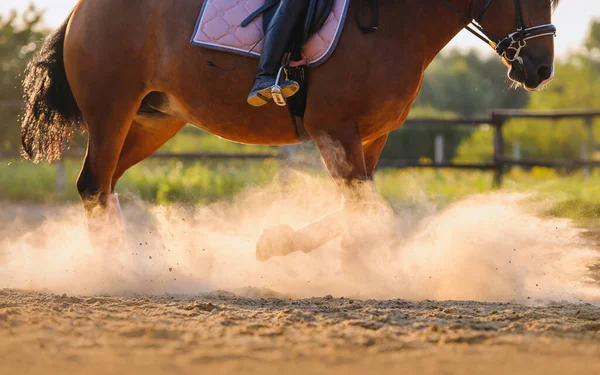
489	247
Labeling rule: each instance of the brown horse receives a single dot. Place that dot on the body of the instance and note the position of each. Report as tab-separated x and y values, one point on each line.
126	72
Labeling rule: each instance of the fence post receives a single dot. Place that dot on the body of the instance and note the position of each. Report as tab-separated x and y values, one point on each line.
439	149
498	124
587	148
60	177
286	154
585	157
517	150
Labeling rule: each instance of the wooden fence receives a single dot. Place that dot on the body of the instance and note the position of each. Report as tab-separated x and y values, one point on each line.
497	120
13	105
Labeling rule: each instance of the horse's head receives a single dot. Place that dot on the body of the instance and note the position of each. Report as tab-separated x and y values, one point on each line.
526	38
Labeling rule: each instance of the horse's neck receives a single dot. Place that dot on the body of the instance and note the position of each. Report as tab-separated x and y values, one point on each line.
430	22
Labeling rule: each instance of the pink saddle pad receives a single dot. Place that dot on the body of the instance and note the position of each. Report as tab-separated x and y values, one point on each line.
218	27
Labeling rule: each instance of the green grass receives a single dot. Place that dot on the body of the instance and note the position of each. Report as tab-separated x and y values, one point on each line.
151	180
195	182
573	196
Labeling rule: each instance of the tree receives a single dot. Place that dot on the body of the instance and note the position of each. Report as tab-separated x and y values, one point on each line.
467	84
457	84
20	37
592	42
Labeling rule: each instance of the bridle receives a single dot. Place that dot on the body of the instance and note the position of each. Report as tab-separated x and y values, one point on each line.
510	46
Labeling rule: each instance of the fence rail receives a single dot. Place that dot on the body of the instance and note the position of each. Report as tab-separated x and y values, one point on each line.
168	155
15	105
496	119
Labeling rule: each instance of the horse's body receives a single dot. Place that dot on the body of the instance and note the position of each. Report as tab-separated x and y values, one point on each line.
136	80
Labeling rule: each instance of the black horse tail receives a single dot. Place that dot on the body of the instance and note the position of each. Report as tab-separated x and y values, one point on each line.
51	114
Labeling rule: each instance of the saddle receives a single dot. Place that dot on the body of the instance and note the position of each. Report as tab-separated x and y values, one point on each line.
317	14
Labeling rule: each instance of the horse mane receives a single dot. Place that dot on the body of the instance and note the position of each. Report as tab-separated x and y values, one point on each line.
555	3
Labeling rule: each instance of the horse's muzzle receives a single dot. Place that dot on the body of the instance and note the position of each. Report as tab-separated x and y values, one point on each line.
532	76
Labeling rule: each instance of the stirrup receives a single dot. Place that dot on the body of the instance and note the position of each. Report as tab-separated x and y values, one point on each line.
276	91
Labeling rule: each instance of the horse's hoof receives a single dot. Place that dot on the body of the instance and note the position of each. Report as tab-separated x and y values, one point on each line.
274	242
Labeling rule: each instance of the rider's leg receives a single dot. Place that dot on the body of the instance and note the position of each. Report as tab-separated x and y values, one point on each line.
277	40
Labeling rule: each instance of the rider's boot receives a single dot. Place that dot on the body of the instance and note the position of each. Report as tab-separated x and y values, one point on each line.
276	42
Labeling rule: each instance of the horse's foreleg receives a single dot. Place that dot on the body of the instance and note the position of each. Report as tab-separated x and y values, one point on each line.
362	214
342	154
372	151
284	240
350	162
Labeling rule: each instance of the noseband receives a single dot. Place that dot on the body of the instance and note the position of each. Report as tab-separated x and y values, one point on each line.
510	46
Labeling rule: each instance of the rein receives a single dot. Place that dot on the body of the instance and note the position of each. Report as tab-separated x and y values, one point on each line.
510	46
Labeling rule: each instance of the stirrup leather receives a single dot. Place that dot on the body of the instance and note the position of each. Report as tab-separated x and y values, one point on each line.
276	91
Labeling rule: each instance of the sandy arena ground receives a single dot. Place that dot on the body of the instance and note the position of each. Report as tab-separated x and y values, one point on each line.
221	333
186	327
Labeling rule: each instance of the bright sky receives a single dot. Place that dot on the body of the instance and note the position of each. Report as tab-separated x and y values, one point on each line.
572	19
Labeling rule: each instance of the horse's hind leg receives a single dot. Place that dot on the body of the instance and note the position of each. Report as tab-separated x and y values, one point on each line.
147	134
108	127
